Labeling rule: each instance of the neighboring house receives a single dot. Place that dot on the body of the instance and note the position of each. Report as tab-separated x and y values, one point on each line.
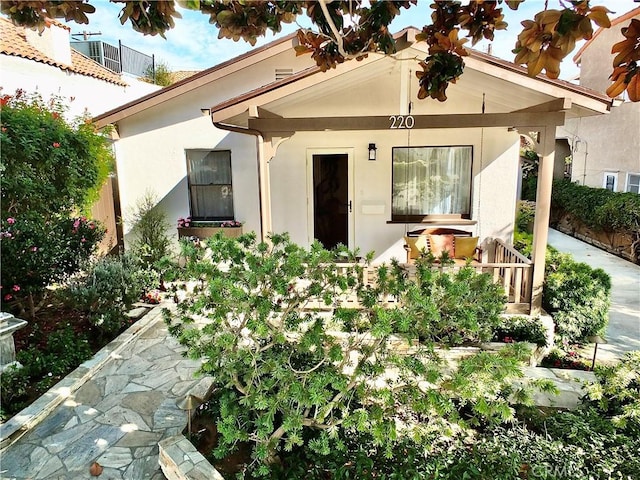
349	155
46	63
180	75
606	151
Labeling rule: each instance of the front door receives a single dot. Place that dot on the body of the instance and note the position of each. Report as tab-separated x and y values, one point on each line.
331	205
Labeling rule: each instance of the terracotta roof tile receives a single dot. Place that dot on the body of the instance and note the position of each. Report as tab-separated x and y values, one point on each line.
180	75
13	42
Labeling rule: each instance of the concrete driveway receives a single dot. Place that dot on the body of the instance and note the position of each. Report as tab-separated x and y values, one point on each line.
623	332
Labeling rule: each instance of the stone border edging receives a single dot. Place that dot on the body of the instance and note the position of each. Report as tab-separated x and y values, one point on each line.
23	421
180	460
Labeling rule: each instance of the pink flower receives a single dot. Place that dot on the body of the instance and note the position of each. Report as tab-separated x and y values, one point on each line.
16	288
34	249
8	297
76	223
56	145
11	220
92	225
83	240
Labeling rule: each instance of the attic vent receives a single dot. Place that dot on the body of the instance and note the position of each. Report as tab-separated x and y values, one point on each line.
282	73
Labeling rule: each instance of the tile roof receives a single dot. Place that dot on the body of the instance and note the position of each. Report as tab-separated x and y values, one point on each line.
13	42
180	75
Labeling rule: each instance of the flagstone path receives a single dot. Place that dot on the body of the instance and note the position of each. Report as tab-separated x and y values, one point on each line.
116	417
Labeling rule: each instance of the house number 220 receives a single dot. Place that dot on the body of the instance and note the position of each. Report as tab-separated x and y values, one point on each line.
401	121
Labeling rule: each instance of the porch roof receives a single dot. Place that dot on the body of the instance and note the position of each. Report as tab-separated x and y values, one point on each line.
506	87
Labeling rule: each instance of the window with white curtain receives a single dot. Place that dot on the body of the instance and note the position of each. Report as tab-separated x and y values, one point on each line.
431	181
633	182
210	188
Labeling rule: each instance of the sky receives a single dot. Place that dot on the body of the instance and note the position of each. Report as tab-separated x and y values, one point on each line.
194	45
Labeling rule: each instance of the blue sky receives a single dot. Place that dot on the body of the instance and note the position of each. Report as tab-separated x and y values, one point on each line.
194	45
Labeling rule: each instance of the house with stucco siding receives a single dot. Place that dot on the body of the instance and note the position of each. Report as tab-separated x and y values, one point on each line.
605	151
351	155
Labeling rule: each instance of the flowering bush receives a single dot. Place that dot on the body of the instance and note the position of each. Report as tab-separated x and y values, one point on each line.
37	253
51	170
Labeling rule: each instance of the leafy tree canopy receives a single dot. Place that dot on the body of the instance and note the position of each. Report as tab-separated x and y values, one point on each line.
345	30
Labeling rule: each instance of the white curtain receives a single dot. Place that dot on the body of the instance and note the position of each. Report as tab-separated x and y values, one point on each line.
432	180
210	189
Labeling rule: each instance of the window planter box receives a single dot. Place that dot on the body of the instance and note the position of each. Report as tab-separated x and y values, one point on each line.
206	232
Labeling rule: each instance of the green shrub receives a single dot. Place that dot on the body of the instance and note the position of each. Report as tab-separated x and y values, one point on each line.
525	215
577	296
51	170
42	366
616	395
295	367
600	209
529	188
151	242
108	289
521	329
523	242
36	254
449	308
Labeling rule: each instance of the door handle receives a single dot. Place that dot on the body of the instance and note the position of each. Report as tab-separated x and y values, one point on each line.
350	206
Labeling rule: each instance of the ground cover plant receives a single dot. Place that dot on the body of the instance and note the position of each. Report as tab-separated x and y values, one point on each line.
294	366
599	440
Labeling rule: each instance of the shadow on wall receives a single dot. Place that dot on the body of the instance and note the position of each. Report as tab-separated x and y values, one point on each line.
174	204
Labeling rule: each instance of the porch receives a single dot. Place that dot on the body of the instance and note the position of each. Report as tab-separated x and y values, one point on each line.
508	268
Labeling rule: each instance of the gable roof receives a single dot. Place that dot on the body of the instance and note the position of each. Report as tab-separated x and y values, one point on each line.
194	81
616	21
13	42
525	91
406	38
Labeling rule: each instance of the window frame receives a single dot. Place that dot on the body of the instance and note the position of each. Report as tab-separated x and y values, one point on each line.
629	174
190	185
615	180
433	217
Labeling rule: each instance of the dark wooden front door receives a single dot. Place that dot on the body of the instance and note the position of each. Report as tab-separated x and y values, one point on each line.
331	205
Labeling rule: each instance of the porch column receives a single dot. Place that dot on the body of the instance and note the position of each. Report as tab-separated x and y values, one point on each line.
265	153
543	211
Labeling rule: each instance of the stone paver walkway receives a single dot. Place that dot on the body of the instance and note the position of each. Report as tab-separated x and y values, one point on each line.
116	418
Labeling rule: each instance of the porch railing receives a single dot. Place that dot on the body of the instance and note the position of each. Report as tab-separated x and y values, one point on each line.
508	268
514	271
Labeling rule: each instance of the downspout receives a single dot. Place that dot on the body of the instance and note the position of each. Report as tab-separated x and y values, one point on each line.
259	158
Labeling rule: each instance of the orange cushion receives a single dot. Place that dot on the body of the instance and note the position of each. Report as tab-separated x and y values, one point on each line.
416	245
465	246
442	243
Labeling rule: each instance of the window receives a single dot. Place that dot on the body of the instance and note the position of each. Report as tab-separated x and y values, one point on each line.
431	181
210	190
633	182
610	181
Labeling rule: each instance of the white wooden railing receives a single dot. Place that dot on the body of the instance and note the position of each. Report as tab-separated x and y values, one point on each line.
509	268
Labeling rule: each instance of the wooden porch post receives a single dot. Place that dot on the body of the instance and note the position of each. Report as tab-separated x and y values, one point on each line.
543	211
266	152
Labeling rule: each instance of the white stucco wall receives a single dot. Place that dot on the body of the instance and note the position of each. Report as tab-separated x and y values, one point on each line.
91	94
493	192
151	156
